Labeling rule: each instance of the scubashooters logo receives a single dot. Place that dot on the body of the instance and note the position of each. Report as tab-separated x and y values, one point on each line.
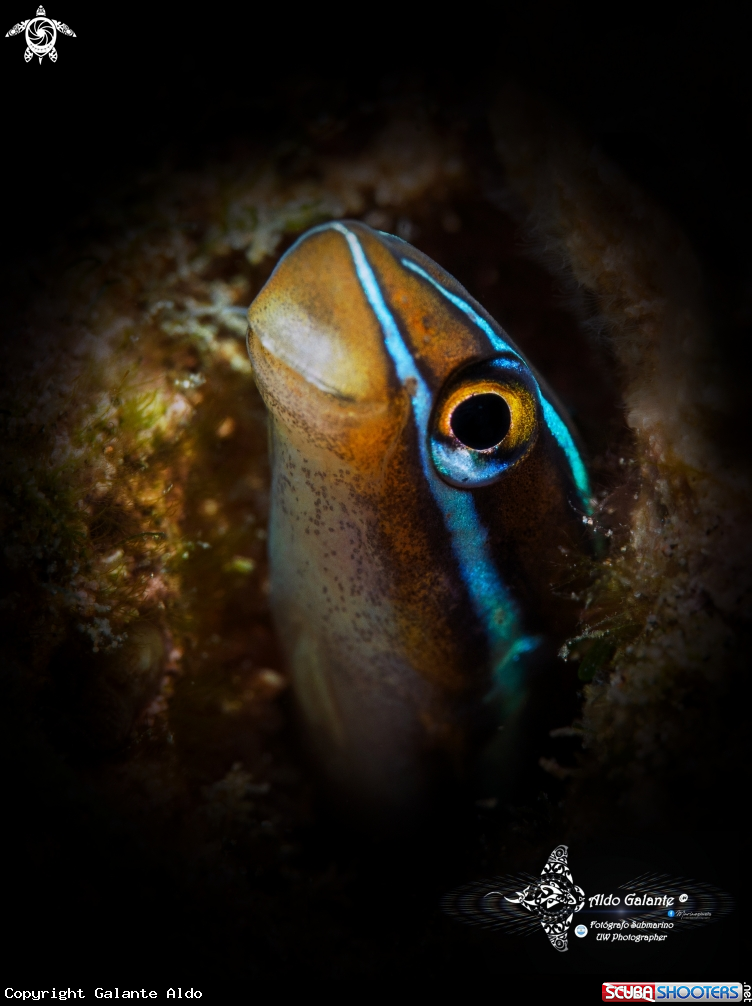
41	35
671	992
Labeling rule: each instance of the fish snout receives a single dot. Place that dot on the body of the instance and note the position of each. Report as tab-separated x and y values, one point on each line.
318	353
313	317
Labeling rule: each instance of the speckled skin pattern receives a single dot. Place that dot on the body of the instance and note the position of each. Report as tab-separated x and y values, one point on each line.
391	654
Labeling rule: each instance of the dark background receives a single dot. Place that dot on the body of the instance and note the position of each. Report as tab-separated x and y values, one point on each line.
669	100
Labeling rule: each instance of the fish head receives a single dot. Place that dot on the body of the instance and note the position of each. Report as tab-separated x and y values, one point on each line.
424	477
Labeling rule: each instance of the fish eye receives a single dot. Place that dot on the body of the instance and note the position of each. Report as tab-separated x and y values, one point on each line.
481	421
485	422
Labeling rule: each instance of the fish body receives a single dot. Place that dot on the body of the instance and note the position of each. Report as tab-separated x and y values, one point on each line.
424	481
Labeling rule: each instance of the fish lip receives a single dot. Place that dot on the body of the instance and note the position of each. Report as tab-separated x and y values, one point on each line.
308	377
312	316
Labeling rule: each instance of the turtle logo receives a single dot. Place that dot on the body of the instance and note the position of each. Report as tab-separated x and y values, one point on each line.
41	35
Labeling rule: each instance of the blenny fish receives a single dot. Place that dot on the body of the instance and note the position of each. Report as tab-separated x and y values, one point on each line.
425	481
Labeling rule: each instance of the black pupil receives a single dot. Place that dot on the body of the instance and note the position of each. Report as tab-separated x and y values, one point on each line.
481	421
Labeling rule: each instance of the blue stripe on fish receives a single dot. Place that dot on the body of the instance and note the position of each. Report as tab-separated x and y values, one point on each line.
554	422
491	601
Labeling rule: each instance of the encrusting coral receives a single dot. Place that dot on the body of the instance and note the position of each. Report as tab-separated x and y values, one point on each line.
136	481
665	613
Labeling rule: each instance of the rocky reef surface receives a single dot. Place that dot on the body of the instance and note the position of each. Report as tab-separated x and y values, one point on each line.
145	702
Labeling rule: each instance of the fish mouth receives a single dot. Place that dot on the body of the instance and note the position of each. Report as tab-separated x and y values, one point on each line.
313	317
